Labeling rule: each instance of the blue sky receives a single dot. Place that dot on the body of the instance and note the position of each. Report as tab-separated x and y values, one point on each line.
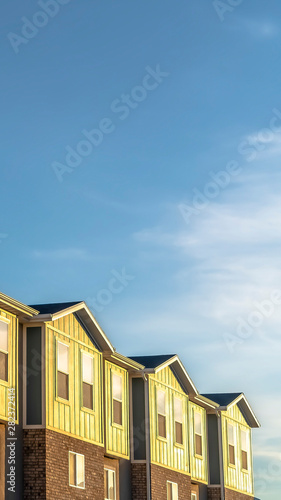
196	259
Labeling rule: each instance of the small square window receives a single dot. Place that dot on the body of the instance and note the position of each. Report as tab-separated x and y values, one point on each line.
76	470
172	491
109	484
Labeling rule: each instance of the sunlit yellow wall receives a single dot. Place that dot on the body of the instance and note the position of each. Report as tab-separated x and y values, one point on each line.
166	451
199	465
12	368
235	477
116	436
69	416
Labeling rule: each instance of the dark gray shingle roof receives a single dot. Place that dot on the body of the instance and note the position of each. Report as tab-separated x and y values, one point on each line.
223	399
54	307
152	361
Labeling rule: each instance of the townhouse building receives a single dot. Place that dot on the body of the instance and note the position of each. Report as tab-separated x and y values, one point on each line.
78	420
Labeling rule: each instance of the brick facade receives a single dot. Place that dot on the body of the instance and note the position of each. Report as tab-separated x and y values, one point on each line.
138	478
235	495
159	478
46	468
214	493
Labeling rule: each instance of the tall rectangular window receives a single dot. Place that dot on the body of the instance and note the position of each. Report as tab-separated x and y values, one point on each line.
62	371
117	398
161	413
198	433
193	496
4	348
109	484
172	491
231	444
245	449
178	420
87	380
76	470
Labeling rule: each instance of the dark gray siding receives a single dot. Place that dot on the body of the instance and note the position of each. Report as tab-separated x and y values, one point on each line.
33	376
138	419
213	442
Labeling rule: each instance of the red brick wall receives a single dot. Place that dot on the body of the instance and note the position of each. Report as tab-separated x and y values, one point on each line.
159	478
138	478
234	495
46	470
214	493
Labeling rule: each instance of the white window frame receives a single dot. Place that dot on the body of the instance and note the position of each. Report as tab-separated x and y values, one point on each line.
196	412
113	471
61	371
178	421
75	485
114	374
175	490
6	322
234	443
160	413
83	353
193	496
247	450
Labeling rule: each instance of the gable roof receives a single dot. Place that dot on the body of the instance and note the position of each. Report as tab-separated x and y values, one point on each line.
155	363
229	399
15	307
54	307
152	361
53	311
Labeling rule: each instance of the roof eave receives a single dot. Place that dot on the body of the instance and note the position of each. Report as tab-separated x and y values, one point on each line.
16	307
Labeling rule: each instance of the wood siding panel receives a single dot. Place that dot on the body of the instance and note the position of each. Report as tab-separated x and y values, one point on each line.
199	466
12	367
69	416
166	451
235	477
117	436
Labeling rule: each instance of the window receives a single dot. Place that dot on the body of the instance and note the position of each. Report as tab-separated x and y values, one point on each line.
117	396
244	449
76	470
62	371
172	491
4	351
193	496
198	433
161	413
88	379
178	420
231	444
109	484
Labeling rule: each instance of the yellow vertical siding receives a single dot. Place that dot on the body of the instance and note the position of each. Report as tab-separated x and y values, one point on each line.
69	416
117	436
235	477
12	367
166	451
198	465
